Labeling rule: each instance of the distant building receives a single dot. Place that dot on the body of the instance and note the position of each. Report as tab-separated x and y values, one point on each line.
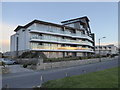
72	38
106	49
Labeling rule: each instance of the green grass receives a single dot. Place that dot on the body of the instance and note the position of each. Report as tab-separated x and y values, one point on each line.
100	79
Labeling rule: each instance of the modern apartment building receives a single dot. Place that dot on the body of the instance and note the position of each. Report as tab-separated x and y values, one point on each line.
0	54
106	49
71	38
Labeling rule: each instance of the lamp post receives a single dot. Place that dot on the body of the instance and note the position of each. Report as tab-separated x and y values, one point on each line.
99	49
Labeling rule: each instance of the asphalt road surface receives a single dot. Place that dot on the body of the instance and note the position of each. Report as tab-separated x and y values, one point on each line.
33	78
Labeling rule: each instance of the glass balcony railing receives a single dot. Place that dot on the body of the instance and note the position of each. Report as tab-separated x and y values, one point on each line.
66	33
59	48
62	40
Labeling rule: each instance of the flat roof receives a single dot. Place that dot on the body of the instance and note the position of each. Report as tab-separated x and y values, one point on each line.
43	22
75	19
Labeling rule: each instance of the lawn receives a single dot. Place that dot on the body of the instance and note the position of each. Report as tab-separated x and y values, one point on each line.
101	79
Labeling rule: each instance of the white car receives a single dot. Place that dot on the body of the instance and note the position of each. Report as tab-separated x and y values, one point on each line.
7	61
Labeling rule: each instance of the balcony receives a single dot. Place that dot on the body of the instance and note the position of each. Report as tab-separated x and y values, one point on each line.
63	33
76	49
64	41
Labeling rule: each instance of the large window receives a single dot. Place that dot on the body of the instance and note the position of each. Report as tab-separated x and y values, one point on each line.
35	36
48	28
34	45
52	46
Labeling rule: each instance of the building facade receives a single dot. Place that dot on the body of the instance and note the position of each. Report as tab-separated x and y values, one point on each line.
0	54
106	49
71	38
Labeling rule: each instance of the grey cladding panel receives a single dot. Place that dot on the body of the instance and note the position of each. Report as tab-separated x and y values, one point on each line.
77	25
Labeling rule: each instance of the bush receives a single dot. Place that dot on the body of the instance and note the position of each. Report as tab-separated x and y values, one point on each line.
29	54
84	58
2	64
68	58
103	56
25	65
113	55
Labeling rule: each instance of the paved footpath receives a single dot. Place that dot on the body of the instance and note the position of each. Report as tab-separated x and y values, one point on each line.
33	78
18	69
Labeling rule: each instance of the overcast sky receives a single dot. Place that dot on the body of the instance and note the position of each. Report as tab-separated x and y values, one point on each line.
103	17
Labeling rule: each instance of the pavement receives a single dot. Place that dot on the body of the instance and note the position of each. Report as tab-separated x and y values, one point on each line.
33	78
18	69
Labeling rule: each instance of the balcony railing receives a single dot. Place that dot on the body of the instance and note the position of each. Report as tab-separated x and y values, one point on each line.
65	33
62	40
59	48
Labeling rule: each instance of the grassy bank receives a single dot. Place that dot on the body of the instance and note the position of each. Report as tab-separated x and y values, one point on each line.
100	79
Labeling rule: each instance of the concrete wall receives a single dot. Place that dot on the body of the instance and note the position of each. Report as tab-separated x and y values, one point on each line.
28	60
68	63
23	40
13	43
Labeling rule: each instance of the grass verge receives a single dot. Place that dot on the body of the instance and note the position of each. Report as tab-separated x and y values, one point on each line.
101	79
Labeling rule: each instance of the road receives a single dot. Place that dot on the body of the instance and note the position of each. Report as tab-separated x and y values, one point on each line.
33	78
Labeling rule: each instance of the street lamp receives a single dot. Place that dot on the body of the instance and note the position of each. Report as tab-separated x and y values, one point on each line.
99	49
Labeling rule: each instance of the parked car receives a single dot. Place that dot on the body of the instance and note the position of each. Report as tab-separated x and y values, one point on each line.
7	61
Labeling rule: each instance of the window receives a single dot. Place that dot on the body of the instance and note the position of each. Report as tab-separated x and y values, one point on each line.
83	40
23	30
82	32
29	29
40	43
105	47
40	34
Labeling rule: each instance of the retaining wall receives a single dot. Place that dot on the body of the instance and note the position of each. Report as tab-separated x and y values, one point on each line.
69	63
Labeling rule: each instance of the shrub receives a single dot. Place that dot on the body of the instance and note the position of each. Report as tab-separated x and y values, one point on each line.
113	55
68	58
104	56
29	54
0	63
3	64
84	58
25	65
